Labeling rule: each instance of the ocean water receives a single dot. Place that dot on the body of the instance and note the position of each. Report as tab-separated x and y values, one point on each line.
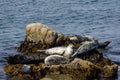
98	18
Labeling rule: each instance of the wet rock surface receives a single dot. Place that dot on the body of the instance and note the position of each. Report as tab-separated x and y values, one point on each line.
87	66
77	69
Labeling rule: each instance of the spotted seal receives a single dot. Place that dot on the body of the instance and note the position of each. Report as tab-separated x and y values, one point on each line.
55	60
65	51
88	46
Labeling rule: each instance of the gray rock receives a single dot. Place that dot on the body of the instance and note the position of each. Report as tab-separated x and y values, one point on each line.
26	68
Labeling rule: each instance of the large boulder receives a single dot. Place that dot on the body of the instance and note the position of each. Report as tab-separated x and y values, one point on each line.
38	32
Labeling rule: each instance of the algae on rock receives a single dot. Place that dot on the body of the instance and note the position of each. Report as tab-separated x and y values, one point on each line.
77	69
85	67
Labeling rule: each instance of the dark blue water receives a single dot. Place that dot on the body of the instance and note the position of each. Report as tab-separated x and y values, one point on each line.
98	18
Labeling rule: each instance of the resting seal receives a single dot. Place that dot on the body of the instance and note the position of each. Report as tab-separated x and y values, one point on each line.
79	38
88	46
55	60
68	51
51	51
65	51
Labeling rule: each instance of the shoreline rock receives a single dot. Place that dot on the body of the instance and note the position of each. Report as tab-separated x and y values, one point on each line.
84	67
77	69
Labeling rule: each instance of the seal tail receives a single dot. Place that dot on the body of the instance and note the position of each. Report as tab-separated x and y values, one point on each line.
104	44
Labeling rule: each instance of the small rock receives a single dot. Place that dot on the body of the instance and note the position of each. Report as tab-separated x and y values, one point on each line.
26	68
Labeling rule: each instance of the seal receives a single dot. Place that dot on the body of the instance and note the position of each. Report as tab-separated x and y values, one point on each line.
68	51
104	44
65	51
88	46
55	60
74	38
79	38
89	38
51	51
23	59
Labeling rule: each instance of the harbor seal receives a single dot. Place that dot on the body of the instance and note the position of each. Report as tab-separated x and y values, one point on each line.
79	38
89	38
88	46
104	44
51	51
65	51
55	60
23	59
68	51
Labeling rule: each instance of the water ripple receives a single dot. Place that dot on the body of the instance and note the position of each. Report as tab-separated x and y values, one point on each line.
98	18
